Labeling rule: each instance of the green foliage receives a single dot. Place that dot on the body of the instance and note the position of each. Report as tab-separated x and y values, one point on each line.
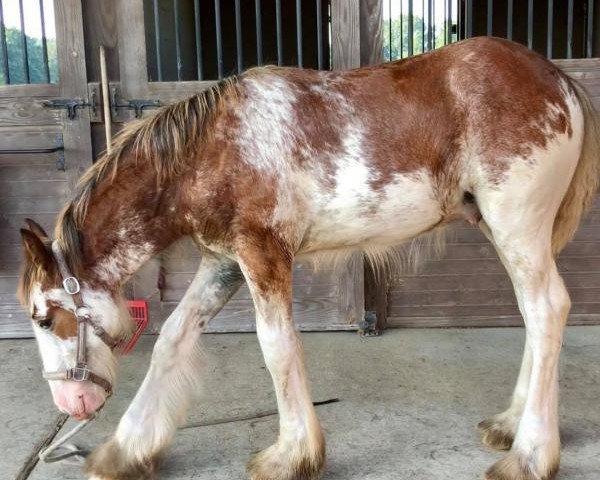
399	29
14	47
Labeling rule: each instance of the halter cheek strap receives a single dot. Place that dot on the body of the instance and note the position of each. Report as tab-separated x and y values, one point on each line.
81	371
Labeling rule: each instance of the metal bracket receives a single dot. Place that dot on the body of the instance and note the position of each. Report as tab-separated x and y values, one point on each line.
368	326
72	104
137	105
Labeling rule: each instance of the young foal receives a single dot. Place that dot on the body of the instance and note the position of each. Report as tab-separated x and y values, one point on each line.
280	163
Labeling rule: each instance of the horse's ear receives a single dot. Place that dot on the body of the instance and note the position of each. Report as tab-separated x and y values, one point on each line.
35	249
36	228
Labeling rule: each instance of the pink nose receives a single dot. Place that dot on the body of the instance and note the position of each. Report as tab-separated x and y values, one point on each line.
78	399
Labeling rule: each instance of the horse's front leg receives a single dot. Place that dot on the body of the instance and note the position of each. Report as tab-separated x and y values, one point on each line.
160	404
299	453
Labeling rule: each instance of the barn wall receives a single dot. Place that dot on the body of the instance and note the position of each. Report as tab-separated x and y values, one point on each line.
468	286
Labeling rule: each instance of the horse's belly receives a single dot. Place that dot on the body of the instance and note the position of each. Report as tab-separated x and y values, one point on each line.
357	213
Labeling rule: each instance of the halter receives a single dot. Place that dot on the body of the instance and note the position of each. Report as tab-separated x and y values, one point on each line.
81	371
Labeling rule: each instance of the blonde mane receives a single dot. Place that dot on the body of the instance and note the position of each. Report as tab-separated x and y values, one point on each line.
163	141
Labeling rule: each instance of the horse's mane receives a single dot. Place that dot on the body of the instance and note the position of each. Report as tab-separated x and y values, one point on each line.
163	141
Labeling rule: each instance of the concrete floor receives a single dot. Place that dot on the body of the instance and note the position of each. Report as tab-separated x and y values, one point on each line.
410	401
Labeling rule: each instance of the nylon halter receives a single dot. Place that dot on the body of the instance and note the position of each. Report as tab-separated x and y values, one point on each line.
81	371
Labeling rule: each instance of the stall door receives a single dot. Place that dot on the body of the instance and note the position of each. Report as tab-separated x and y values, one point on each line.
42	150
170	50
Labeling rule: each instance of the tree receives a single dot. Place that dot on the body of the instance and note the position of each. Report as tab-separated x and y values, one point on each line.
399	30
14	47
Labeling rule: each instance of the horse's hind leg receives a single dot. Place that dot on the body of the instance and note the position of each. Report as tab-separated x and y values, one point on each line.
160	404
499	431
299	453
520	216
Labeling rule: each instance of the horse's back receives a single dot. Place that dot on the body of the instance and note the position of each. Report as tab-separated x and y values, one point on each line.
385	153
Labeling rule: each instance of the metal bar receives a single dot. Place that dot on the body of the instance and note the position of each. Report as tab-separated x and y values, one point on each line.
422	25
259	46
570	30
299	32
432	26
550	34
3	46
590	29
490	17
219	38
530	24
320	34
198	37
410	28
390	33
238	37
159	69
469	32
45	65
105	100
177	39
429	18
401	53
509	20
26	151
459	21
449	22
24	52
279	32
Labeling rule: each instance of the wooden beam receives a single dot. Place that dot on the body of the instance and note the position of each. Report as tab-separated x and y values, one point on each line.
345	32
132	48
72	79
371	32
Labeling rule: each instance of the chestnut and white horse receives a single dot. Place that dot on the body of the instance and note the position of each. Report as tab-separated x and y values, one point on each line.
280	163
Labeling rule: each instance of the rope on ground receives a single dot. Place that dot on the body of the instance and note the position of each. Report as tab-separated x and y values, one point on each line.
33	458
65	450
241	418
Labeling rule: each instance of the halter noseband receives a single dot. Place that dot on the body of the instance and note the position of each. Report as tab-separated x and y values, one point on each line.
81	371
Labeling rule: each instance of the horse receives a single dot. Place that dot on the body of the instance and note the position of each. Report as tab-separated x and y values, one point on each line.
280	163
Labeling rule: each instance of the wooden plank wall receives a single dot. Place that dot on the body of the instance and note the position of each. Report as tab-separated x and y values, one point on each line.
31	185
323	300
468	286
317	303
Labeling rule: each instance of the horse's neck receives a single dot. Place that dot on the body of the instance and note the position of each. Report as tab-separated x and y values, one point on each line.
127	222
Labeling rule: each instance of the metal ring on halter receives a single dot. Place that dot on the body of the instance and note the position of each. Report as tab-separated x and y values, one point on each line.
83	311
71	285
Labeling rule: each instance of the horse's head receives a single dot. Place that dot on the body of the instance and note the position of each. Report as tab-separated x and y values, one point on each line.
76	324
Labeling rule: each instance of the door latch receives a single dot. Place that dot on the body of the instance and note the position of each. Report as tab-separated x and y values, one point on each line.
72	104
137	105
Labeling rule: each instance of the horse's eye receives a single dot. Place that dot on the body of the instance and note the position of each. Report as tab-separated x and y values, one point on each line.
46	324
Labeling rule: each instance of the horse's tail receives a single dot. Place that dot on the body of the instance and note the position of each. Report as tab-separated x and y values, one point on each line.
584	184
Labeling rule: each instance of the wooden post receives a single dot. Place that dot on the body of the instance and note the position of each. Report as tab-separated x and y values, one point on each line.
345	33
371	53
73	84
371	32
345	51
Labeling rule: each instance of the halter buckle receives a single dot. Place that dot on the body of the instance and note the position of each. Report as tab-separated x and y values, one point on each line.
71	285
83	312
80	373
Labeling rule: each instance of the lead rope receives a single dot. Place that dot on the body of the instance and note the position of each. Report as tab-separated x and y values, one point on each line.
68	449
74	451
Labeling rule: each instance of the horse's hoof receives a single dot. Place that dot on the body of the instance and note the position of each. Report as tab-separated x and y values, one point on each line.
497	433
281	463
515	466
108	462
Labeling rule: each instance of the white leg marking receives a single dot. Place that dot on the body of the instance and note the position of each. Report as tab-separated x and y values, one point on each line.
161	402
